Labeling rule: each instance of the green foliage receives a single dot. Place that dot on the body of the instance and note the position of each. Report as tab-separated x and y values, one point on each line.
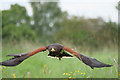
88	33
49	24
46	17
16	15
16	24
12	32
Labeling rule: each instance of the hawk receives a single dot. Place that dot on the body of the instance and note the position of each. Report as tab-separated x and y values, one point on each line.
55	50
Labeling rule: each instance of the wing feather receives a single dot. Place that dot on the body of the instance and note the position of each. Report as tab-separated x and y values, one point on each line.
87	60
18	58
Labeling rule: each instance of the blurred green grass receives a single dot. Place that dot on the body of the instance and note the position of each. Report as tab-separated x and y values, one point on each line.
42	66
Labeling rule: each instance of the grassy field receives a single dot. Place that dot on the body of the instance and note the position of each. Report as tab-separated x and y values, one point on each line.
41	66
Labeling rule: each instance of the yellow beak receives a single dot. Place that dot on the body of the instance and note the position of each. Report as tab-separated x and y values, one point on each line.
52	49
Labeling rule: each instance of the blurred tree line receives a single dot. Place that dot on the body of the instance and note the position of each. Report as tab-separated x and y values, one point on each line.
50	24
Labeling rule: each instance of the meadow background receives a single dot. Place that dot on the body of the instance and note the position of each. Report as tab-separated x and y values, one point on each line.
92	37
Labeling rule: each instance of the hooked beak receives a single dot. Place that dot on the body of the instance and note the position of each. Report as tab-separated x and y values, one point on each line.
52	49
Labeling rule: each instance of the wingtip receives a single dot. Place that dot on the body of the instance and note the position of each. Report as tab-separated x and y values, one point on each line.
108	65
92	67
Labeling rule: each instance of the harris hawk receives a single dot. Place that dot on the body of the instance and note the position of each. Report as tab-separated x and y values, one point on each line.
55	50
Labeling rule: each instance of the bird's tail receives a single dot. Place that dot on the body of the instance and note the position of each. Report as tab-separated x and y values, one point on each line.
18	58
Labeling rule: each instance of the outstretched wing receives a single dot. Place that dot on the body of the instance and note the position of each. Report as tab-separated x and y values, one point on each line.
87	60
18	58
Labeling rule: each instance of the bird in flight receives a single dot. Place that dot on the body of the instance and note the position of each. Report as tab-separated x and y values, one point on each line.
55	50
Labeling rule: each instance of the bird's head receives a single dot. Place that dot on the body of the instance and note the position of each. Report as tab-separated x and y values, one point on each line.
56	48
52	50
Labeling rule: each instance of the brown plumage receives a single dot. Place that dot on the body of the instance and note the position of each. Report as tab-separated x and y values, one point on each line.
55	50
